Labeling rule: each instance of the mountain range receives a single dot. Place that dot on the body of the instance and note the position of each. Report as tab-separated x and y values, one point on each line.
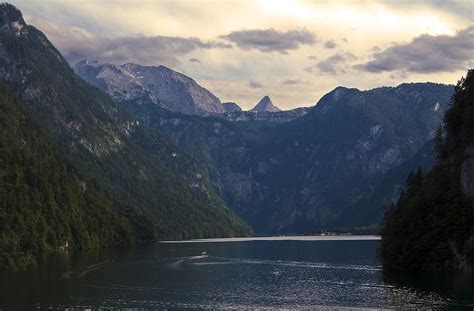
277	168
160	85
173	162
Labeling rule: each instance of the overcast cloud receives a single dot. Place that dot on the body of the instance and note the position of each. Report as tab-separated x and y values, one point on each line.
76	44
255	84
335	64
426	54
271	40
241	50
330	44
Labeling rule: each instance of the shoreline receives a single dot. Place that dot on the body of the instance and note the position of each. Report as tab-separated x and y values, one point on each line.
282	238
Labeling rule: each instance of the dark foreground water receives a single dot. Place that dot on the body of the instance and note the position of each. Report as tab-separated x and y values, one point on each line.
326	273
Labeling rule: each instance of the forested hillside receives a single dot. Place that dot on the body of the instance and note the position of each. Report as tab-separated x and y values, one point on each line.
138	165
432	225
47	202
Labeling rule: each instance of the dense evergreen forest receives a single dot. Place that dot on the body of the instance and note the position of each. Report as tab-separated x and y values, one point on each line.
47	202
432	225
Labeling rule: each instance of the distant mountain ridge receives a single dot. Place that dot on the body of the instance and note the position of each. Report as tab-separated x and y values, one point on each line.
135	85
159	84
269	117
231	107
265	104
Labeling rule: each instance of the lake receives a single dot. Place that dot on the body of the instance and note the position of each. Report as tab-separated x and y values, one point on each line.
329	272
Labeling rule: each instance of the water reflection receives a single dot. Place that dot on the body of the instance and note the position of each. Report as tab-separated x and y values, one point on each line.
452	289
286	274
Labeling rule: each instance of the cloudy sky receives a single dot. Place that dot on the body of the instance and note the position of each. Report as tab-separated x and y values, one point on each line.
294	51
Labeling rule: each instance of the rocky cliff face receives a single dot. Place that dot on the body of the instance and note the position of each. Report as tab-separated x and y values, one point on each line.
160	85
264	116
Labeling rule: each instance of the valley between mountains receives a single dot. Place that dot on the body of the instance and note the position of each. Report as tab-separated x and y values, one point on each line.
103	154
277	169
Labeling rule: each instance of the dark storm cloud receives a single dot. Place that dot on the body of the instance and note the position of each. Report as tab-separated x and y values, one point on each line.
271	40
426	54
255	84
335	64
330	44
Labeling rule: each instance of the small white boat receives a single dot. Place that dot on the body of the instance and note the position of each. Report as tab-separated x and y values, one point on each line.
203	253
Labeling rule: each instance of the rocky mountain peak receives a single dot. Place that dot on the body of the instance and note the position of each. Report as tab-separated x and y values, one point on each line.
265	104
158	84
231	107
11	19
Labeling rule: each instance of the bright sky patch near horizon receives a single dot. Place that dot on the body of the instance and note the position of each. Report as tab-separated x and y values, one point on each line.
293	51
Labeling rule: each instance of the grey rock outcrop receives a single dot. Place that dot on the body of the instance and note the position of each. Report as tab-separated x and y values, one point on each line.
158	84
231	107
265	116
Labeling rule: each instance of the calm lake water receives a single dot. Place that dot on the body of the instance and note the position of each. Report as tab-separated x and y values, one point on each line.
302	272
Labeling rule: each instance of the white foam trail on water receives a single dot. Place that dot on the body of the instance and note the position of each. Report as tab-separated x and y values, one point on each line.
82	272
176	265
